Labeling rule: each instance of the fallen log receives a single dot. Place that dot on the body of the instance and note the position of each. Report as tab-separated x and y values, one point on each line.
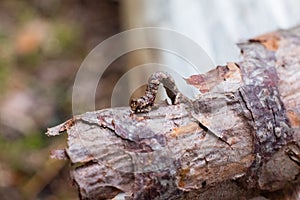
239	139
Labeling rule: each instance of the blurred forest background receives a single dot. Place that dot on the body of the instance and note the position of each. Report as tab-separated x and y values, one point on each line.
42	44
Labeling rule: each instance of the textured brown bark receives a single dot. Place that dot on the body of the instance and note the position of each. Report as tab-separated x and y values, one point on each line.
238	140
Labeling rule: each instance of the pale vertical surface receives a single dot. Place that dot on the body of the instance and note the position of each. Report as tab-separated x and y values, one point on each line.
216	25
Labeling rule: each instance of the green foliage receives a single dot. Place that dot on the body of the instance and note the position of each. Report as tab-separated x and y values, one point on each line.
4	61
67	35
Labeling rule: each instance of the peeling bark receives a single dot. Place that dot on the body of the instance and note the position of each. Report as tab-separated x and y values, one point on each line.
238	140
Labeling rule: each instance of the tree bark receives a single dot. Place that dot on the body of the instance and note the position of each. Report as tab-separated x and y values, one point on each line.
238	140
